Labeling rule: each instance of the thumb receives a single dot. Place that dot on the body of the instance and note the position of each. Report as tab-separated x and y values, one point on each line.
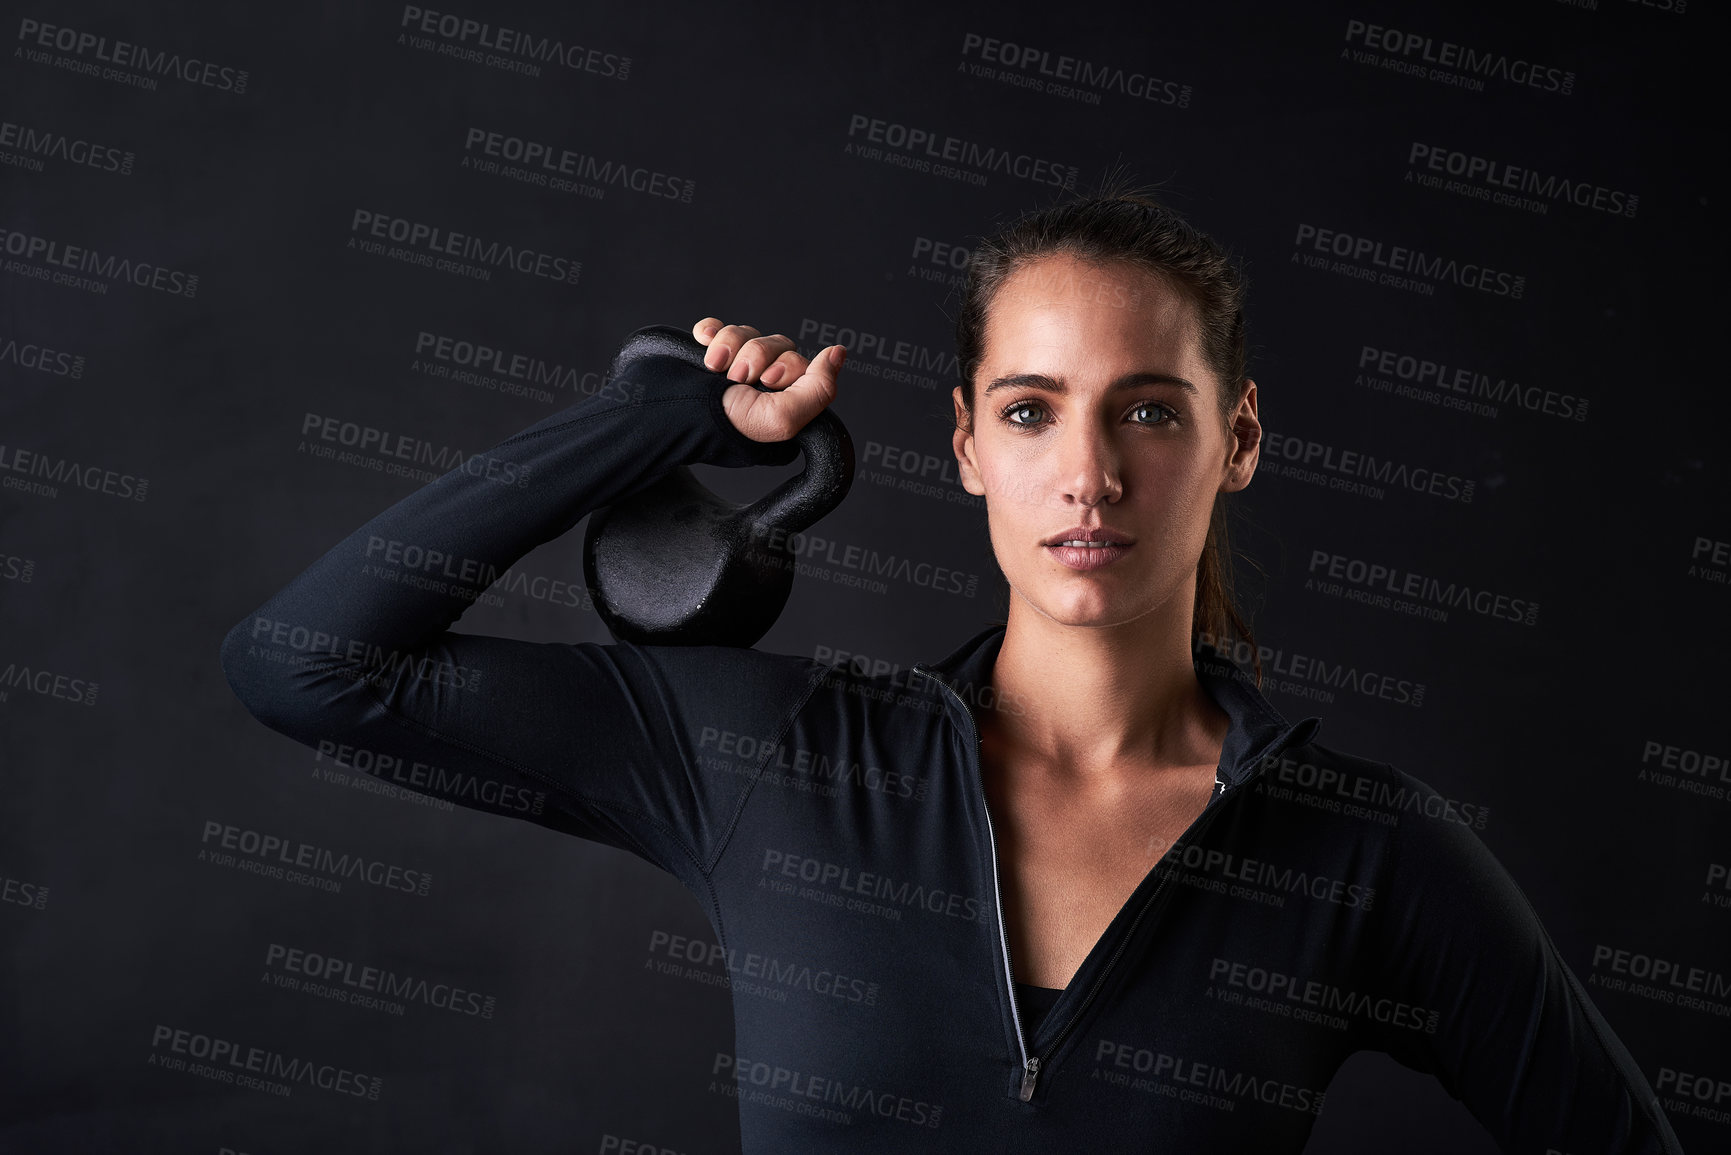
811	392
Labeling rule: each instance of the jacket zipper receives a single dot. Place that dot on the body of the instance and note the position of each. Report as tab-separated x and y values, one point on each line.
1031	1063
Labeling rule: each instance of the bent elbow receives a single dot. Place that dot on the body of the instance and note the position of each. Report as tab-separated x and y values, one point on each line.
271	684
256	680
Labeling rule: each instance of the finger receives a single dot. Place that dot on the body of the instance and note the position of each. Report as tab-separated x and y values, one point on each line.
725	343
790	366
780	414
705	329
756	355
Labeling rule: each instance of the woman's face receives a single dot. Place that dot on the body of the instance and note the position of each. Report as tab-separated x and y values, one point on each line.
1093	408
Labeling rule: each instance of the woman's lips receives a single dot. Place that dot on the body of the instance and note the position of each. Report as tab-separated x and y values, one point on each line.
1088	557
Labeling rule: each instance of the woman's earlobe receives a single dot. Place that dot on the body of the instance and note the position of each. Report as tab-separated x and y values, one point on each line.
967	474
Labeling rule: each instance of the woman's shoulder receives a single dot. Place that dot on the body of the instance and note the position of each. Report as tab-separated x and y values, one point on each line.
1324	776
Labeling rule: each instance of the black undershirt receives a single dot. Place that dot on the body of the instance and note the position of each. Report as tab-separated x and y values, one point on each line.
1034	1002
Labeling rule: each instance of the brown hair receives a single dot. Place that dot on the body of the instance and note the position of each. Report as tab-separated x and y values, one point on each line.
1122	225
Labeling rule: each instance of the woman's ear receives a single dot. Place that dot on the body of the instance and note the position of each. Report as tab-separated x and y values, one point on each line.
1245	445
963	443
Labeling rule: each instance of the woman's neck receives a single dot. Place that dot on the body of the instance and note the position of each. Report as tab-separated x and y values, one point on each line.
1096	701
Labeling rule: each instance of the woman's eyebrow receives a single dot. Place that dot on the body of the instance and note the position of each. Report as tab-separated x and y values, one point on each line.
1051	384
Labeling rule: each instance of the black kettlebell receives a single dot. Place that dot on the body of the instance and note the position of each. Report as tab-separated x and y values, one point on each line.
676	565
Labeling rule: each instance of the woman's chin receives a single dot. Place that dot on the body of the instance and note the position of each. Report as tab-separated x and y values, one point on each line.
1086	606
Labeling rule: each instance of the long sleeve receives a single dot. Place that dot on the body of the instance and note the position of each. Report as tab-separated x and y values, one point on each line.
1516	1038
635	746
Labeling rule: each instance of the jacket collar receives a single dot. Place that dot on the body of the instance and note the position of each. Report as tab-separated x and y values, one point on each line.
1257	727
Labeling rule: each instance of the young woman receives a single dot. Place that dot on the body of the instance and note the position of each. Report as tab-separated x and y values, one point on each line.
1076	885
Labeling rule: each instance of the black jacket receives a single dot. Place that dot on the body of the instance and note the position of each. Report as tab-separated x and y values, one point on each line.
834	828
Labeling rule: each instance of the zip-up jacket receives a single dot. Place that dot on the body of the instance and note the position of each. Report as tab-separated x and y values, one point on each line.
833	826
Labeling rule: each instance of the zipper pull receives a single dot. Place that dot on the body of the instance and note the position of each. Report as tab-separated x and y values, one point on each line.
1030	1072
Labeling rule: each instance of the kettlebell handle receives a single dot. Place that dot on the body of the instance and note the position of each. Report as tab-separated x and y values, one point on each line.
676	564
797	503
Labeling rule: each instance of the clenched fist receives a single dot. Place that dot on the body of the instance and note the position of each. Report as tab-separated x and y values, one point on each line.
802	389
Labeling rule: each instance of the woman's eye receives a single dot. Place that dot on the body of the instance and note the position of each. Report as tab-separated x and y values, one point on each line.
1162	414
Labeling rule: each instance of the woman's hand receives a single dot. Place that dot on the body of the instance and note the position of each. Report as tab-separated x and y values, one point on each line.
802	389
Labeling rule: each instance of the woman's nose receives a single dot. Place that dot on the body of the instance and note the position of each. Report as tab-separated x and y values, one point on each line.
1088	464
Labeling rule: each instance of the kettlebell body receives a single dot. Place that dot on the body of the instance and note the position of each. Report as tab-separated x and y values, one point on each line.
676	564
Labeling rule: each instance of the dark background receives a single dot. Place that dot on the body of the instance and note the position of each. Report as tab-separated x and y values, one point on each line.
1594	734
